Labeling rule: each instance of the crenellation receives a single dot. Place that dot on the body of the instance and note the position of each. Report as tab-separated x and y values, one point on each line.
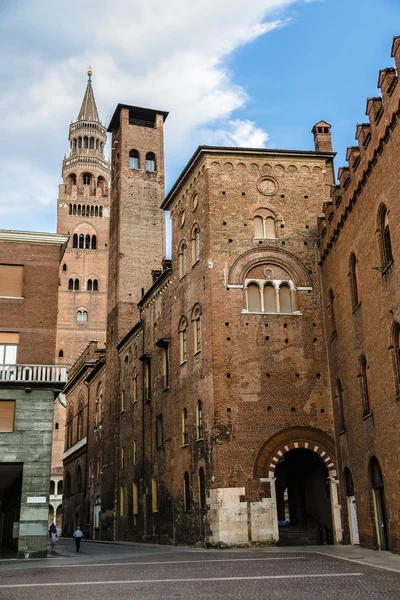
374	110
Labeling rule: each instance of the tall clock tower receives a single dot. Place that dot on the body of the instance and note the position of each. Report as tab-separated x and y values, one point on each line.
83	212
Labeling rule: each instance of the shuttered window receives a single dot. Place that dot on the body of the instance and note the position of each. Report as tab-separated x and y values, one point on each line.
8	347
11	277
7	412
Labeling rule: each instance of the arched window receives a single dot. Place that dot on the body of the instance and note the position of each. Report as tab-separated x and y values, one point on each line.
384	236
82	316
87	241
70	209
100	211
91	143
365	391
185	433
60	488
196	318
86	142
75	241
270	228
195	244
86	177
74	211
61	354
258	227
202	488
79	210
285	301
182	259
134	160
72	179
354	283
94	242
182	340
81	240
396	354
80	420
199	420
332	311
97	144
70	284
339	396
76	285
99	404
253	297
89	285
186	490
64	267
269	298
150	161
96	211
52	488
264	228
95	285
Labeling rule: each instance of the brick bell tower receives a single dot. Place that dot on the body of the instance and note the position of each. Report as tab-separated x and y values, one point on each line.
83	212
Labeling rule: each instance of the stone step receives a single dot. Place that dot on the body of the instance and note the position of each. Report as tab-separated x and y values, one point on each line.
298	536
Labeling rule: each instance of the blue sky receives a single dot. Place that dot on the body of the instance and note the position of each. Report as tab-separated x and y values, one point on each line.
234	73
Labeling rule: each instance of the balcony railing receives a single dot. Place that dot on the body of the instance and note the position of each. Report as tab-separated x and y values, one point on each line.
39	373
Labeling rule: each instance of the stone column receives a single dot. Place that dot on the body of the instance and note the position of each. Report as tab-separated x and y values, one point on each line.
336	511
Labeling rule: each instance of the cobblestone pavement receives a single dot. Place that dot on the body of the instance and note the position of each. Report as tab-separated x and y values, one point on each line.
105	571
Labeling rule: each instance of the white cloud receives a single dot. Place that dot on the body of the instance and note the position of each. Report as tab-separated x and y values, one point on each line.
169	54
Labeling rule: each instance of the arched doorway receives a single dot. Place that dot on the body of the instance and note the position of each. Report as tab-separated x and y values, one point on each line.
297	468
59	516
351	507
303	497
378	490
51	514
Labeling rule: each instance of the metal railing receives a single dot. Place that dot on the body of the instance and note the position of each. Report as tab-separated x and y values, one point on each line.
39	373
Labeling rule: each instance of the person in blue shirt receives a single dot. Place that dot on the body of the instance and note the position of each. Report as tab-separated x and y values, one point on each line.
77	535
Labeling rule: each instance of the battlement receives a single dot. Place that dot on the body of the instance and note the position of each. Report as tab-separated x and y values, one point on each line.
383	114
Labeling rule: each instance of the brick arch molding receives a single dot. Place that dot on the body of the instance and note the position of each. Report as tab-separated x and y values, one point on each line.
257	256
295	438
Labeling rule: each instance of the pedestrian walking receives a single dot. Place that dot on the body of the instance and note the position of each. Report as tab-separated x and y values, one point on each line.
53	541
77	535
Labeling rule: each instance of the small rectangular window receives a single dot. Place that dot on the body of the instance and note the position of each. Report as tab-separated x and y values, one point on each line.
11	278
7	415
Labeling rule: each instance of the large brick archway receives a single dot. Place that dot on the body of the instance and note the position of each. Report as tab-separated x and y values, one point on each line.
303	438
290	439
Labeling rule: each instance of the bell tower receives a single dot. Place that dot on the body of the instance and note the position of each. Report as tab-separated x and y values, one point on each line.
83	212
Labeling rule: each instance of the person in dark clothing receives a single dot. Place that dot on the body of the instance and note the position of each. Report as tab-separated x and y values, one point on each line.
77	535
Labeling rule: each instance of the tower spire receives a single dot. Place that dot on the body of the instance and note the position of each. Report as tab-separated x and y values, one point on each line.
88	110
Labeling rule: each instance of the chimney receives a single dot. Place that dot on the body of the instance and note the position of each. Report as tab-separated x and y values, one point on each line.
322	137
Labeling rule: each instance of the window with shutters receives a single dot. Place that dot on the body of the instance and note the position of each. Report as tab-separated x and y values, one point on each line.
134	159
11	279
154	494
8	348
7	415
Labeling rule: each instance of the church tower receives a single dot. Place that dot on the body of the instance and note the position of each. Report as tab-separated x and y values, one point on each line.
83	212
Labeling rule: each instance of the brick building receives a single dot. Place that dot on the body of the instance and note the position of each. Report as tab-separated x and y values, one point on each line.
29	384
360	252
217	421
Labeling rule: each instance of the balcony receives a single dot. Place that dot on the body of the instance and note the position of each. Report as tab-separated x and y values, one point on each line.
33	373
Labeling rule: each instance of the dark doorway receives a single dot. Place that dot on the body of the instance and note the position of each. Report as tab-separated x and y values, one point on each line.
303	496
378	489
10	506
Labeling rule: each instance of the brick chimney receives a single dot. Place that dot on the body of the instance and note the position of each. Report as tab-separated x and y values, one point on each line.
322	137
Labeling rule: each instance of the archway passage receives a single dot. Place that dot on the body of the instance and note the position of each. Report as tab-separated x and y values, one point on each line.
303	498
